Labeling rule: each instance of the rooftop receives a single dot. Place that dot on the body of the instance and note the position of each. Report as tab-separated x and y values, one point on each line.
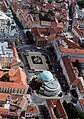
32	108
3	16
4	96
56	109
14	104
8	56
46	76
75	74
81	100
5	51
29	13
17	78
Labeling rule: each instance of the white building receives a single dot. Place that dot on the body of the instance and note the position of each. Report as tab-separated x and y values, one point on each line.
50	85
7	27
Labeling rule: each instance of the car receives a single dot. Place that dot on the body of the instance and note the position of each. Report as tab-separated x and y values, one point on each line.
38	48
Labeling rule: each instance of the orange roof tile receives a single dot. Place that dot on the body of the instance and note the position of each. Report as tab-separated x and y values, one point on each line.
73	59
3	110
74	51
3	96
71	44
60	25
56	102
17	76
81	100
32	109
69	69
16	54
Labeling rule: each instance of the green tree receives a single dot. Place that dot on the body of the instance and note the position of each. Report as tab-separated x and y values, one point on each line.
5	77
51	12
41	17
29	90
47	17
71	110
80	115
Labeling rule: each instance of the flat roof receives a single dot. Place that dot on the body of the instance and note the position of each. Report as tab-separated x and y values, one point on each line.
5	51
37	61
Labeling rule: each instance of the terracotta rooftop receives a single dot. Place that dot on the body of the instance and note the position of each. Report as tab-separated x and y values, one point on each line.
42	33
68	66
60	109
81	100
73	72
3	96
32	109
3	110
73	59
18	78
71	44
16	54
74	51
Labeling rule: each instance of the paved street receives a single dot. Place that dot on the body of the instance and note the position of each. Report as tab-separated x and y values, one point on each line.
37	100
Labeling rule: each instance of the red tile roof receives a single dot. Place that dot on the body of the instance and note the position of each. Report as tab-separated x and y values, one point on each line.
56	102
4	96
73	59
81	100
73	51
69	69
71	44
32	109
17	76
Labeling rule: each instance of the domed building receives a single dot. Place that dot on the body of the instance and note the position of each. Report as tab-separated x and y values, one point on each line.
50	85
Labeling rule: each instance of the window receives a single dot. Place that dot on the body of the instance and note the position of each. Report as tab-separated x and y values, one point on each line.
17	90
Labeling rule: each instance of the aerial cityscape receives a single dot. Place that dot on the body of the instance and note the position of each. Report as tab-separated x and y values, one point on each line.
41	59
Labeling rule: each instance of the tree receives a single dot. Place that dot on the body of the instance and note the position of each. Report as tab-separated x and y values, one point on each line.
49	1
47	17
51	12
41	17
5	77
29	90
80	115
72	111
36	85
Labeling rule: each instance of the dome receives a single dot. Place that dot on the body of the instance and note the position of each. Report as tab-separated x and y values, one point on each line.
46	76
53	85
